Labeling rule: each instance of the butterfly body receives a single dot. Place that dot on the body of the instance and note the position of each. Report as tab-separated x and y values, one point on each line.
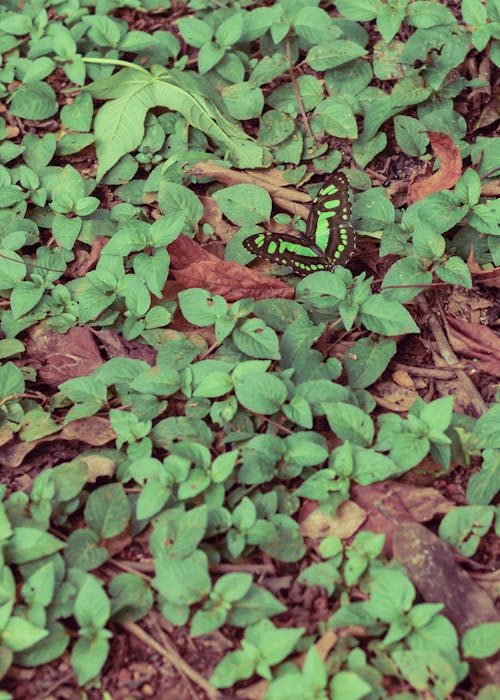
328	241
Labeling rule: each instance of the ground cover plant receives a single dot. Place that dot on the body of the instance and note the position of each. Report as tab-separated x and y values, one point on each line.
221	478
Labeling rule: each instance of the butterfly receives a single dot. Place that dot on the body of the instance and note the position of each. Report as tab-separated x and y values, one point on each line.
328	241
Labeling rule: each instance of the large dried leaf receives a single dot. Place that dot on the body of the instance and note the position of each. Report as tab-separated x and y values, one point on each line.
59	357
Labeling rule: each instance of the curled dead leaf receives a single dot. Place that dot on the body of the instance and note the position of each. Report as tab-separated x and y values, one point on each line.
449	171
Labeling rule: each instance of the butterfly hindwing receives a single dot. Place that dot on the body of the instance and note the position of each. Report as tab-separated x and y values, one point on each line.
329	239
286	250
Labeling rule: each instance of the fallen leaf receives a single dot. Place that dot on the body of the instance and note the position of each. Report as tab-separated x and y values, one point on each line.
491	112
94	430
6	434
232	281
477	342
98	466
449	171
115	345
58	357
184	251
86	260
394	397
212	215
318	525
490	278
433	569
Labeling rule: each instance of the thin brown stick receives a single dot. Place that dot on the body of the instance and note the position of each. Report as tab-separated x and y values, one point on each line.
296	89
171	655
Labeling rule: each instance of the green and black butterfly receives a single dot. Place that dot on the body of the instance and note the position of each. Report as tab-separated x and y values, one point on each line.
329	239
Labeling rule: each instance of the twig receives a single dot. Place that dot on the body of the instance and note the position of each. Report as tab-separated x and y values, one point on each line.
172	656
296	89
426	371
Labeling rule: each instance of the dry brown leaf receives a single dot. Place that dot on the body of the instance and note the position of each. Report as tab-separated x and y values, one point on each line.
270	179
432	568
394	397
491	112
490	278
86	260
59	357
98	466
448	174
491	188
13	455
422	502
232	281
212	215
385	510
94	430
184	251
6	434
347	520
115	345
477	342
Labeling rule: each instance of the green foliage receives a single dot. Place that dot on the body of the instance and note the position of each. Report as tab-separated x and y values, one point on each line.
215	448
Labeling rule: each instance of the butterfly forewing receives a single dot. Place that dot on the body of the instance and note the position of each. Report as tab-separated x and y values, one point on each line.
329	238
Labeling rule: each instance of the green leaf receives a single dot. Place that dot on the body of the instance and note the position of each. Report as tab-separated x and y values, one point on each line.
336	118
12	269
346	685
229	32
243	101
88	657
208	57
29	544
367	359
20	634
350	423
484	485
256	339
107	510
36	100
92	607
199	307
78	115
410	136
194	31
333	54
131	598
464	527
261	393
82	550
481	641
25	296
176	200
386	316
244	204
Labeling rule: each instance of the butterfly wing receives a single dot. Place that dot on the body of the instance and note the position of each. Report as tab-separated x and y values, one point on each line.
286	250
328	224
329	239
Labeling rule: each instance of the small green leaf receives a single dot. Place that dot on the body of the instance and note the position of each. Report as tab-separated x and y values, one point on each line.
36	100
107	510
262	393
481	641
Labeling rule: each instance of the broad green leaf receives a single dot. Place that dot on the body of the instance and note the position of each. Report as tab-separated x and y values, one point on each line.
261	393
386	316
107	510
29	544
